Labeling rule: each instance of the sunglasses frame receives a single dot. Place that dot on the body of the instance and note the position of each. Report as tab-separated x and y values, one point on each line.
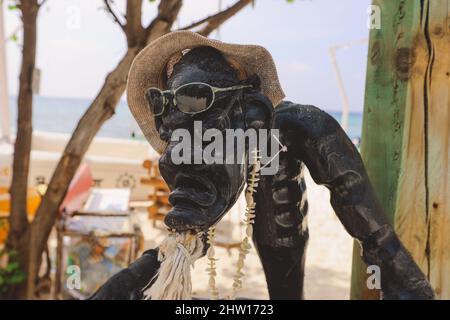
173	93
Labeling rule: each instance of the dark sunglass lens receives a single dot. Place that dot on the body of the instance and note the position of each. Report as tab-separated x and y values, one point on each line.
194	98
156	101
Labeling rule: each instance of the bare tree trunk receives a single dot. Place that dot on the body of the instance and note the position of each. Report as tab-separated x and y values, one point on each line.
17	238
102	108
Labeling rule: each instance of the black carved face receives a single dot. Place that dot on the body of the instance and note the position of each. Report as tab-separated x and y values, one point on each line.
202	193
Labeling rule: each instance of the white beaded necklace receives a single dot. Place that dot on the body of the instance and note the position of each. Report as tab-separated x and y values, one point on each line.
245	246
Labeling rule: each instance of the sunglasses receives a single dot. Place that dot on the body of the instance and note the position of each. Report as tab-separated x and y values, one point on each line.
190	98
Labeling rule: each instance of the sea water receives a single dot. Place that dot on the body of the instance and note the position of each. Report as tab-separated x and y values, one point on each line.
61	115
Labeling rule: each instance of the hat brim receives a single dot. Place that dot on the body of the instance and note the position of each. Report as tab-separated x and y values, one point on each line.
149	67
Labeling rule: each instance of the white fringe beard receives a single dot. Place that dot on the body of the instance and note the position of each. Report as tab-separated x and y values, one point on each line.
177	253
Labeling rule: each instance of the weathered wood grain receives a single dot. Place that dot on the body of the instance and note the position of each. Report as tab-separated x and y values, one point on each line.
405	141
422	215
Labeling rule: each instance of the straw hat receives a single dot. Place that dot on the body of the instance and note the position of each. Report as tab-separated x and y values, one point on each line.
149	70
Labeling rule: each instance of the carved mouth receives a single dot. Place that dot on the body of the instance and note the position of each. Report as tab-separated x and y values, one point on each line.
195	189
191	198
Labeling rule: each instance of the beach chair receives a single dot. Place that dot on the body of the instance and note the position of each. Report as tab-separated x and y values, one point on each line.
79	190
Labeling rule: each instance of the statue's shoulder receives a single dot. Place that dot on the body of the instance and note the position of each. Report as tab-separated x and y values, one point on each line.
289	107
284	105
310	118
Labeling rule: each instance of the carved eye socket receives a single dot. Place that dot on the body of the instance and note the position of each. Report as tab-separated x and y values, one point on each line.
256	115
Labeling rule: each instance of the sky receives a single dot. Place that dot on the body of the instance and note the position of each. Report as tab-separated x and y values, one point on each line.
78	44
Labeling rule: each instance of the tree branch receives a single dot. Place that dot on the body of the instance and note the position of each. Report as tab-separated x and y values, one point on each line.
199	22
42	3
133	28
214	21
110	10
162	24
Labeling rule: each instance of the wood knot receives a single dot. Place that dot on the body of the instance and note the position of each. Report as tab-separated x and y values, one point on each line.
438	31
403	61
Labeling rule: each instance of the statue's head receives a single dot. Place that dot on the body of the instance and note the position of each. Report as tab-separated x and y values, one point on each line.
201	193
185	102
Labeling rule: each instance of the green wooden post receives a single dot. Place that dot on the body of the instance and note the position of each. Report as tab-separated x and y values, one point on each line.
405	143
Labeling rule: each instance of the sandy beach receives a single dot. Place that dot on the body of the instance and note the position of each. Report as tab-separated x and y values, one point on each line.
328	261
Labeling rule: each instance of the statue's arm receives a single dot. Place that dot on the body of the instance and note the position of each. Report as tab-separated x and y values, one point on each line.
315	138
129	283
